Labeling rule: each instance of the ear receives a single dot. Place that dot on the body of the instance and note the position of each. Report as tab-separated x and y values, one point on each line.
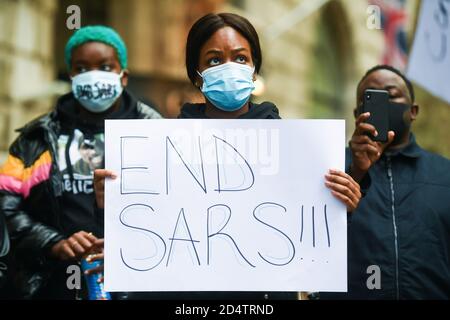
124	79
71	74
357	111
414	111
254	76
198	82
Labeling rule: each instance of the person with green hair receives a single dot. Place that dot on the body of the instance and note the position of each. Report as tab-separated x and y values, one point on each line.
49	203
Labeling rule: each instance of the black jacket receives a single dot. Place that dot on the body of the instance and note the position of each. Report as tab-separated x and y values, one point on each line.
265	110
402	225
31	190
4	250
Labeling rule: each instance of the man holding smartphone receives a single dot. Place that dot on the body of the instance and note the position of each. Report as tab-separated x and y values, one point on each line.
399	236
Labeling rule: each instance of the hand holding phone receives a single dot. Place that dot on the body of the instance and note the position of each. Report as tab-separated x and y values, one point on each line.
377	103
366	148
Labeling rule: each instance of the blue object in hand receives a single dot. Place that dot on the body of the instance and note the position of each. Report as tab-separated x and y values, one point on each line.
96	290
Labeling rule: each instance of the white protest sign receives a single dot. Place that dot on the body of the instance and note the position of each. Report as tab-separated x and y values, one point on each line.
224	205
429	63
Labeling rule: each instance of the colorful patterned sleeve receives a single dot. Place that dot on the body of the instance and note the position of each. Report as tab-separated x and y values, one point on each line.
17	179
30	238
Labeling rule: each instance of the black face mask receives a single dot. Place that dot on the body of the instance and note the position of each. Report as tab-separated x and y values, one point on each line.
398	121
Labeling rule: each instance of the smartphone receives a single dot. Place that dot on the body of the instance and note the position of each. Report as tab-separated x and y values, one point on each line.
377	103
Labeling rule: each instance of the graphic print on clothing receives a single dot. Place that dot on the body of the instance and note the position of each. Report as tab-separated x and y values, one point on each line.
79	156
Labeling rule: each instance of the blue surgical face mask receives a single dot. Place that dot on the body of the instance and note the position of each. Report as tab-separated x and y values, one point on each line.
228	86
97	90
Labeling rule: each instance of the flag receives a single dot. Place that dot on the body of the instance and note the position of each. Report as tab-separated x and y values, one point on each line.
393	22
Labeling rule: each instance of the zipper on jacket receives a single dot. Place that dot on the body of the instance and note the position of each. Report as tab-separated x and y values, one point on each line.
394	224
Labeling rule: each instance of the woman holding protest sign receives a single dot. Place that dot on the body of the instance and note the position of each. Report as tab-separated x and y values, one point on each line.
223	56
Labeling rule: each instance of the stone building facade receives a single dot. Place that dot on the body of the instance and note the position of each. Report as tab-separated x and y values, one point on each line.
314	53
27	69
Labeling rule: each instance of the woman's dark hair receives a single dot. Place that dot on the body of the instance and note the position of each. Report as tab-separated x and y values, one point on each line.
206	26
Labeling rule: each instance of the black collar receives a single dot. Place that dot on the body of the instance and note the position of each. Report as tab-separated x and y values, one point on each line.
411	150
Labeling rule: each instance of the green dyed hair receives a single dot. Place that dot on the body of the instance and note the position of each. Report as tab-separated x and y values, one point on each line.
97	34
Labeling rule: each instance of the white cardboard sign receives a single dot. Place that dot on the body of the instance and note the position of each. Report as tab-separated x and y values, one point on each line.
429	63
224	205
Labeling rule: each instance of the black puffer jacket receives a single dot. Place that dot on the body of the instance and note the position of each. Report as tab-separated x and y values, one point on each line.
31	188
4	250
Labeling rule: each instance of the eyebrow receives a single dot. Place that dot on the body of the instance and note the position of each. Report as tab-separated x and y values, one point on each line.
79	61
238	49
83	61
387	88
217	51
214	51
